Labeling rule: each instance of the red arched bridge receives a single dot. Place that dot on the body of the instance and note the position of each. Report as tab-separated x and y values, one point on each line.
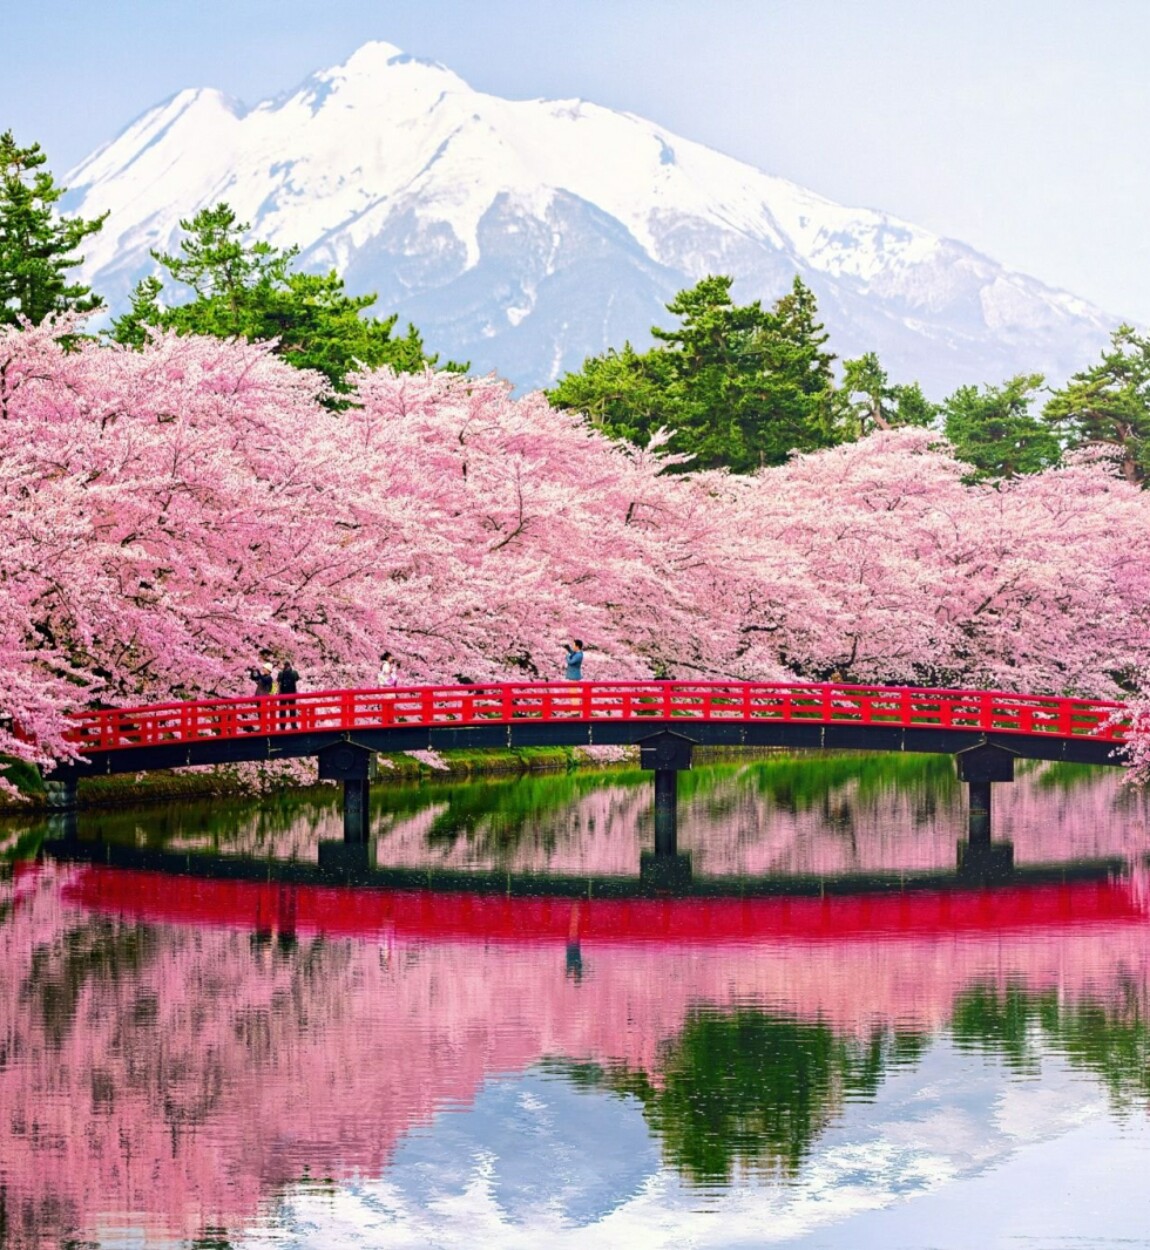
985	730
801	715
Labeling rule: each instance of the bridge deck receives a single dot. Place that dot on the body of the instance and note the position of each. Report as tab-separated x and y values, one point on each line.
519	714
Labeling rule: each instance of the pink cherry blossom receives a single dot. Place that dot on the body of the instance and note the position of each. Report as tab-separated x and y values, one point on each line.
169	513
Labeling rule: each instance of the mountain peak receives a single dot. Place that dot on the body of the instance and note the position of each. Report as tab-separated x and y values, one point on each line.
527	235
372	53
377	57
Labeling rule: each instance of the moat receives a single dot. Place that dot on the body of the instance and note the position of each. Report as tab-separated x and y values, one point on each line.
825	1035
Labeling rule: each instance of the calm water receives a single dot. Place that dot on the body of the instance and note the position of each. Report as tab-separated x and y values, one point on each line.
829	1039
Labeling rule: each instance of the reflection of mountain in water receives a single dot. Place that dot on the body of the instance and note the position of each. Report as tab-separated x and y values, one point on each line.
184	1072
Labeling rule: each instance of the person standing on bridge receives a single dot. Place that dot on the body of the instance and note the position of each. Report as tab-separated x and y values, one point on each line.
287	682
388	670
264	676
574	660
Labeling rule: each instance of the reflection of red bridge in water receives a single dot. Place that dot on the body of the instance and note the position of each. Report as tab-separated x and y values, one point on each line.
233	1066
424	915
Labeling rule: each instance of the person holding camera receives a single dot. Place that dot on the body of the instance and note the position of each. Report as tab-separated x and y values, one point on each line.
574	660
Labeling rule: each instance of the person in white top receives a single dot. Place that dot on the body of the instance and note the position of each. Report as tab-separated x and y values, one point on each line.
388	670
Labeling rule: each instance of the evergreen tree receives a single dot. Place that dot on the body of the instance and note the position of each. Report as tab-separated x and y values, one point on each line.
1110	403
740	386
994	430
37	245
249	290
623	392
872	402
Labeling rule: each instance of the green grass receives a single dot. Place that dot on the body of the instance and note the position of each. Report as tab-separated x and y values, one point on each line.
25	777
126	789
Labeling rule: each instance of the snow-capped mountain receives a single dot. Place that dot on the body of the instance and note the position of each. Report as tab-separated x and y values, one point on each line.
525	235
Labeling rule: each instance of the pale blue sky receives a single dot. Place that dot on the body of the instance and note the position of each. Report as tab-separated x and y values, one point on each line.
1018	126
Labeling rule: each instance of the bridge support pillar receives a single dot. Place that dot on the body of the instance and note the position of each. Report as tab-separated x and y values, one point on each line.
355	767
62	826
663	873
350	862
60	794
978	820
666	811
60	800
667	754
356	811
981	767
984	862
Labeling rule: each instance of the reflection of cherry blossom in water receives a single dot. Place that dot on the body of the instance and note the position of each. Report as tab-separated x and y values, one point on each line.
874	814
600	833
909	825
178	1073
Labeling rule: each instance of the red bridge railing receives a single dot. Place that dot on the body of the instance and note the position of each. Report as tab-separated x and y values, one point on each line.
678	701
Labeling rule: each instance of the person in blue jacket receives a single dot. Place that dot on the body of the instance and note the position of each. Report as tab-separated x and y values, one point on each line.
574	660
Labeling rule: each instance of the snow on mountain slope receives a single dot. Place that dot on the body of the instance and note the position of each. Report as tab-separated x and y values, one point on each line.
525	235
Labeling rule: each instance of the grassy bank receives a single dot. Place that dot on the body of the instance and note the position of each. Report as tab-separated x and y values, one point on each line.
234	781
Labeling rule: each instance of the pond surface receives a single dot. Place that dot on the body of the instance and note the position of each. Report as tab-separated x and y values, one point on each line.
824	1036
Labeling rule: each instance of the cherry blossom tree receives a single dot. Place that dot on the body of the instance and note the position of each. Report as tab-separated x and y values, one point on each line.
170	512
534	528
899	572
159	524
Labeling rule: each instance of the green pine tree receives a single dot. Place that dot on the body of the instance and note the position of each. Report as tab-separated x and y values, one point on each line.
249	290
37	245
741	386
872	402
1110	403
994	431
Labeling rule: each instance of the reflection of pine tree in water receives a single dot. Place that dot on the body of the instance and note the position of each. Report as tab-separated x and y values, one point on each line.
212	1239
748	1090
1110	1039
